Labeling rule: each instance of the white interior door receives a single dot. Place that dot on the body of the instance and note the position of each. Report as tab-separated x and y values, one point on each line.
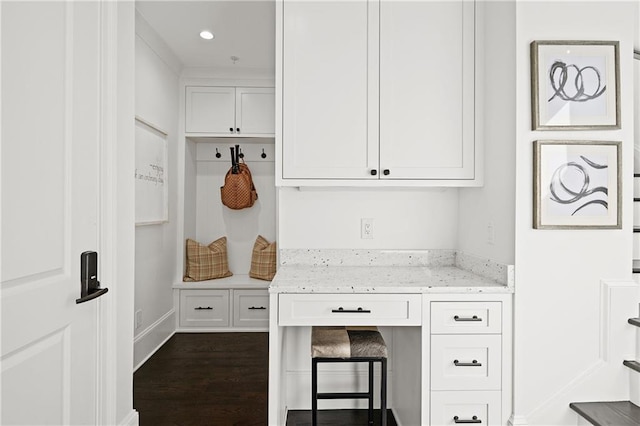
50	127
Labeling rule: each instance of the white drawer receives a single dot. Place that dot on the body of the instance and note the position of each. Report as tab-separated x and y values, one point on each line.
466	362
250	308
204	308
447	407
350	309
466	317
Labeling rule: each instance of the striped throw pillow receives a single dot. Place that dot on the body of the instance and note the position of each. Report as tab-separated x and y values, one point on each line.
263	259
207	262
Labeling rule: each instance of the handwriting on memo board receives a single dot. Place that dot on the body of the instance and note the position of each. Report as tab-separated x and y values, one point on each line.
150	174
153	173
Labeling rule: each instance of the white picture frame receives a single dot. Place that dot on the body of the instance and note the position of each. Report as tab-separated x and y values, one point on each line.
151	185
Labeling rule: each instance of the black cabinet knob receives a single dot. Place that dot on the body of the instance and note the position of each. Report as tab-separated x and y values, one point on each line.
386	172
374	172
238	129
231	129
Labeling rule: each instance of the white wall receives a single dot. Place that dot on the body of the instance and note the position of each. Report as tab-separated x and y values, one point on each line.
436	218
403	218
494	203
241	227
559	305
156	91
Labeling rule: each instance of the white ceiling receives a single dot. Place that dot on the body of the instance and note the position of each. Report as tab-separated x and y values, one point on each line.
245	29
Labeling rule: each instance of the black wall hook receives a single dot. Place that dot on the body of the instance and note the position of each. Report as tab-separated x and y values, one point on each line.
263	155
240	153
218	155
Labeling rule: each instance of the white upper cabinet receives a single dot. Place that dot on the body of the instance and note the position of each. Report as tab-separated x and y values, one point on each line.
210	110
427	89
255	111
230	111
377	93
325	90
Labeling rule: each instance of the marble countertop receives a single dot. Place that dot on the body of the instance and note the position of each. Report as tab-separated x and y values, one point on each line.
382	279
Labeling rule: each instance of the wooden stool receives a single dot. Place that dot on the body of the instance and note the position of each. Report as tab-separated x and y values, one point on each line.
349	344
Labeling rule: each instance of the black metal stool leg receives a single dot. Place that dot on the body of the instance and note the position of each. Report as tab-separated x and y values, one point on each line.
383	391
371	392
314	392
369	395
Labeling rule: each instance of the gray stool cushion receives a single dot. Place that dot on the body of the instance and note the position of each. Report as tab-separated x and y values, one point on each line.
347	342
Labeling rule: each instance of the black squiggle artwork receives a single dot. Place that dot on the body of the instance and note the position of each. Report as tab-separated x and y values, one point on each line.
592	164
574	196
559	76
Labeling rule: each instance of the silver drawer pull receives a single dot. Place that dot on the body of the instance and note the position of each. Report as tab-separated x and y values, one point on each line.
473	419
473	363
253	308
473	318
342	310
200	308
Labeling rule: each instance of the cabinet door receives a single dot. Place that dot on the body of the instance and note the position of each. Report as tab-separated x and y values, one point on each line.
251	308
255	111
427	89
452	408
466	362
326	102
204	308
466	317
210	110
349	309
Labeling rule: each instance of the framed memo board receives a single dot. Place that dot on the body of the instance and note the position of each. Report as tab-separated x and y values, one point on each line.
151	174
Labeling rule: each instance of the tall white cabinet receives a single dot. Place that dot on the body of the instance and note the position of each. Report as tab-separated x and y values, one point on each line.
377	91
216	118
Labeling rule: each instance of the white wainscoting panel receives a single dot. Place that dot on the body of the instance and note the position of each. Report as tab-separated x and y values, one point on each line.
606	378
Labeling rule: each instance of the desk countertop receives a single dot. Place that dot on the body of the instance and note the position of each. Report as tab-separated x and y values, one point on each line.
382	279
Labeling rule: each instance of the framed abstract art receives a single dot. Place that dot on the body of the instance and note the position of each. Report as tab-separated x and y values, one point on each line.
575	85
577	185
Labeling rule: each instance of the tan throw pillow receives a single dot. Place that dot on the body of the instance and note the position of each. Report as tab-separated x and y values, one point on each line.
263	259
207	262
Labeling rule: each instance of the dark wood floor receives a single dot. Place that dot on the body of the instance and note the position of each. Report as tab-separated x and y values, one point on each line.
337	418
205	379
217	379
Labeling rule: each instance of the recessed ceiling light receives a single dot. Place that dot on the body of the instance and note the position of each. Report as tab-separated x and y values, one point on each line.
207	35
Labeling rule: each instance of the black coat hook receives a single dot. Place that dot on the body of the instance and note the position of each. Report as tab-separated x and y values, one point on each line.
263	155
218	155
240	153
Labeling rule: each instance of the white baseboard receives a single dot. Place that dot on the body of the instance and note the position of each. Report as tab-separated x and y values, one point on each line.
395	416
131	420
515	420
152	338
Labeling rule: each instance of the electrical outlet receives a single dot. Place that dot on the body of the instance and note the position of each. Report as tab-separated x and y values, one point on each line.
491	233
366	229
138	318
